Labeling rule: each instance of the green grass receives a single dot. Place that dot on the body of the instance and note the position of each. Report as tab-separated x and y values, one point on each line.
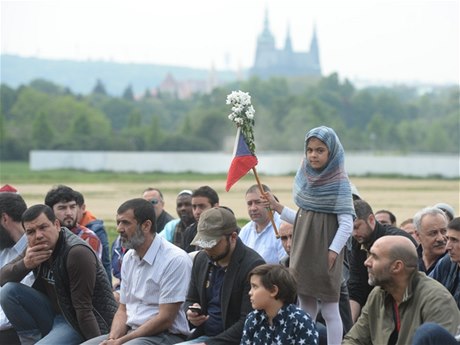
19	172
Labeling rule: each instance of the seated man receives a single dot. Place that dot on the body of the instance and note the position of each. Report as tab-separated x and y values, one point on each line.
13	241
203	198
366	230
403	298
174	230
155	196
285	232
71	297
447	270
218	291
385	217
259	234
63	200
155	276
431	226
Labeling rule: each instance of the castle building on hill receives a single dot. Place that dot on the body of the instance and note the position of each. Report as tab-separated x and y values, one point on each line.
271	62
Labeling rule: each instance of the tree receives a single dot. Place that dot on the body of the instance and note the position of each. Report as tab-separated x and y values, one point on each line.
99	88
128	93
42	133
8	97
135	119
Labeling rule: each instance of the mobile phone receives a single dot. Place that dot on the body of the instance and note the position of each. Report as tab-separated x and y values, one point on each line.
195	309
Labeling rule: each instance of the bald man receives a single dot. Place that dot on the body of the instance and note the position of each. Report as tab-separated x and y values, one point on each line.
403	298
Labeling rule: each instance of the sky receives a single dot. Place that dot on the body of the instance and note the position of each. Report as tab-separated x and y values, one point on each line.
373	40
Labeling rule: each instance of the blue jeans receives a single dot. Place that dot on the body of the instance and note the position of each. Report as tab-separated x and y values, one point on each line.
432	334
164	338
31	314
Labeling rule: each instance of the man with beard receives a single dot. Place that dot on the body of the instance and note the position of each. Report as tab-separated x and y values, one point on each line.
217	298
71	299
155	276
64	202
403	298
13	242
162	218
366	230
431	226
175	229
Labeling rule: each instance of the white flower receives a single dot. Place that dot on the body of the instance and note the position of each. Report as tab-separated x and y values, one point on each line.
243	115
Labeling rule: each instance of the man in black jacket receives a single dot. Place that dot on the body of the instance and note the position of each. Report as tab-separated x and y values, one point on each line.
218	291
71	298
366	230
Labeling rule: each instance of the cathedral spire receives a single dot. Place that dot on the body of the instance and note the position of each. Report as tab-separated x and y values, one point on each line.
314	48
266	22
288	44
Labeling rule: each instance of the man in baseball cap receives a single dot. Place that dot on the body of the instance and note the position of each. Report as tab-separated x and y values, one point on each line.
218	293
213	226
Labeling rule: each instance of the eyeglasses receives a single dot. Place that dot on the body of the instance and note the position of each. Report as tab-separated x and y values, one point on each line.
154	201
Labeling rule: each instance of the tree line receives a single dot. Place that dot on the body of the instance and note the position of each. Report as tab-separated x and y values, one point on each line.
46	116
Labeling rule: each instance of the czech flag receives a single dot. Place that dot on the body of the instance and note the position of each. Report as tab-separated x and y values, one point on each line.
243	161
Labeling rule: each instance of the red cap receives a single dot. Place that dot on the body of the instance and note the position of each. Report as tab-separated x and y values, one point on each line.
8	189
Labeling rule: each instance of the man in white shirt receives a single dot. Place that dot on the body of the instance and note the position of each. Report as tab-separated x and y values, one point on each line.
13	242
259	234
155	276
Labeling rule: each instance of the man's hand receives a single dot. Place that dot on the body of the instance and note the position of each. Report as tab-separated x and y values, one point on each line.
36	255
111	342
195	318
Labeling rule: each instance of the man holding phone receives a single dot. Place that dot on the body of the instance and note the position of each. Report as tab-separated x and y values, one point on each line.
218	293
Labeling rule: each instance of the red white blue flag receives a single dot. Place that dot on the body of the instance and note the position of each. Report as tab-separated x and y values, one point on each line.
243	161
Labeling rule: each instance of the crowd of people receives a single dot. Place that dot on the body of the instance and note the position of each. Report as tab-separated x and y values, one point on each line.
331	272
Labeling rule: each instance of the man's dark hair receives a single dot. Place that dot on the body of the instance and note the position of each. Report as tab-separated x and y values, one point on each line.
362	209
13	205
206	192
454	224
390	214
80	199
279	275
60	193
143	210
33	212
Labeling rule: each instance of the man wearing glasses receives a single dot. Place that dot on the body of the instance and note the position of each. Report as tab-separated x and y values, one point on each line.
155	196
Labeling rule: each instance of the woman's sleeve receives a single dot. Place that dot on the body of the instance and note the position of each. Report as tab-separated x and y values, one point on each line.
288	215
343	233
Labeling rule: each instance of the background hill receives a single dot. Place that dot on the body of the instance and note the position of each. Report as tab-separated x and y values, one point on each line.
81	76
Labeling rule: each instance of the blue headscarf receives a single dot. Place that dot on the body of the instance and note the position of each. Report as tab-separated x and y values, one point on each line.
327	190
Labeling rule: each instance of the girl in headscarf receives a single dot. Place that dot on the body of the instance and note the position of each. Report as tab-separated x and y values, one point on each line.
323	224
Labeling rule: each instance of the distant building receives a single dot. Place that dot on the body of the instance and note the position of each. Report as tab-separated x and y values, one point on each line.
270	62
185	89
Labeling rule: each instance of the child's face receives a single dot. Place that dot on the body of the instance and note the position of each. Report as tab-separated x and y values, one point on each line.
260	297
317	153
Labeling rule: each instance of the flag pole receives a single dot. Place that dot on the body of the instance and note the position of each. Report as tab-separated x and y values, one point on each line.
272	220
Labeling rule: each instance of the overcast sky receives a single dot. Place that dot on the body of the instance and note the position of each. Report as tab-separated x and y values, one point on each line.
402	40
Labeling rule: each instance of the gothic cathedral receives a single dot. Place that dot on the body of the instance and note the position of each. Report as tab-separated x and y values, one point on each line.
270	62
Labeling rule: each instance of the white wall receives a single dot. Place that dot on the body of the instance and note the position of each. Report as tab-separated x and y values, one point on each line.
270	163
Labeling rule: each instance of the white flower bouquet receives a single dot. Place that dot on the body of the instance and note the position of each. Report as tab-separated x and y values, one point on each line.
243	115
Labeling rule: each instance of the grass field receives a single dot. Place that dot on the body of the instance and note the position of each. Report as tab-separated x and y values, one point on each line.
105	191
